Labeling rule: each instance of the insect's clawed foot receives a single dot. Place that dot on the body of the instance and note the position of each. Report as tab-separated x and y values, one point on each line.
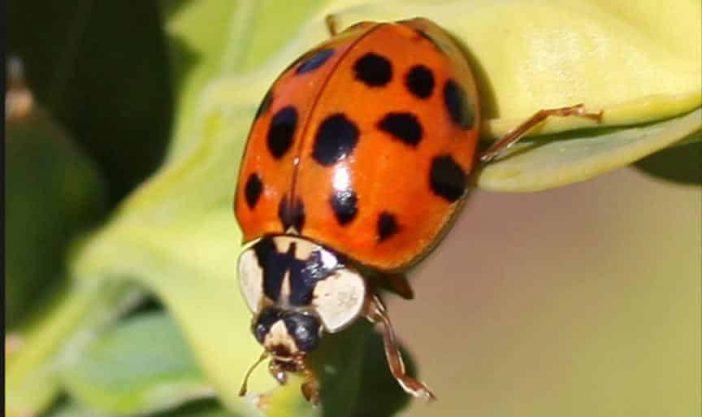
310	389
580	111
416	388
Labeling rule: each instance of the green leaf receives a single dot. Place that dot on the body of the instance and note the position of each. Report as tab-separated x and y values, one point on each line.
75	314
680	164
101	68
202	408
72	409
355	379
379	394
185	251
139	367
198	38
55	193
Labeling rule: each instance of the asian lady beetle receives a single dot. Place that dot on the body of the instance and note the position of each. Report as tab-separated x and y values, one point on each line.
356	162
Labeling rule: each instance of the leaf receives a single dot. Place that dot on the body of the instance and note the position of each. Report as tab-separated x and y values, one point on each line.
186	255
379	395
680	164
141	366
551	163
198	37
75	314
101	68
45	169
71	409
355	379
210	39
55	193
202	408
360	385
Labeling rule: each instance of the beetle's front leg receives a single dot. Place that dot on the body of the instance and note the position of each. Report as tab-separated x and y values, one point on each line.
278	371
310	384
376	313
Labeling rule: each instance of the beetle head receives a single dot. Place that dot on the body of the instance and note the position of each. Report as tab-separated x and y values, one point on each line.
286	334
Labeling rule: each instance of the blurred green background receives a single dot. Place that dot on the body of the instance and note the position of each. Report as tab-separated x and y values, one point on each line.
121	296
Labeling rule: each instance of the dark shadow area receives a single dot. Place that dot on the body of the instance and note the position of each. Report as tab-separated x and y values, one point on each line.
681	164
356	381
55	194
198	408
101	68
379	394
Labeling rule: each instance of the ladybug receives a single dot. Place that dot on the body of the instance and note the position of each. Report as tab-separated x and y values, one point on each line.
357	160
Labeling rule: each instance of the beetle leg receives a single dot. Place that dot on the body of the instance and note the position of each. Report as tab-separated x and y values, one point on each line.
310	385
518	132
394	282
377	313
331	22
277	371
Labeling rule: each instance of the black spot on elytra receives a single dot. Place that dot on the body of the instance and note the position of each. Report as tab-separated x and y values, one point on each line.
281	131
253	189
335	139
402	126
420	81
373	70
291	214
446	178
265	104
345	206
315	61
387	226
456	102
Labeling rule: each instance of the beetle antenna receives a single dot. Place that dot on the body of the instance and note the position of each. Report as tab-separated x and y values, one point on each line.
243	389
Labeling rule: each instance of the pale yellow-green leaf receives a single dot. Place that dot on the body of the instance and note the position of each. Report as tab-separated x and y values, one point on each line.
31	382
198	32
180	237
141	366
